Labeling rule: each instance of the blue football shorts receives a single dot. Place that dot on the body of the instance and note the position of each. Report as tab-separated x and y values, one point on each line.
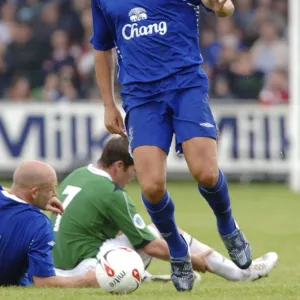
184	112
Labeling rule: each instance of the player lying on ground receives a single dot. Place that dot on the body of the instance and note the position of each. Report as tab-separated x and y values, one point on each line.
26	233
165	92
97	209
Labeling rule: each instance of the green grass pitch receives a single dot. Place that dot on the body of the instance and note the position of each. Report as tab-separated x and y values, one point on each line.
269	216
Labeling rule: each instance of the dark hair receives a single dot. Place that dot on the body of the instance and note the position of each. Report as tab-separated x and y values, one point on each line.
116	149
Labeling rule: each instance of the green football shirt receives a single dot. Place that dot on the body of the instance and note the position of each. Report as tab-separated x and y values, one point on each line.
95	210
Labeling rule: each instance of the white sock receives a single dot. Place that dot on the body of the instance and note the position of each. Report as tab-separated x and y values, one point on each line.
221	265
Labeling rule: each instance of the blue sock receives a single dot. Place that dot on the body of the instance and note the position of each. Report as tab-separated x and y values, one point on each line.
162	215
218	199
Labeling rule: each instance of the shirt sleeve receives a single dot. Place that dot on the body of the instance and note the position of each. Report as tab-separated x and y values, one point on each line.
40	249
123	213
102	38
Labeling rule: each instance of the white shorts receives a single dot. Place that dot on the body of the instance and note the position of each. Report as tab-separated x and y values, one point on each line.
90	263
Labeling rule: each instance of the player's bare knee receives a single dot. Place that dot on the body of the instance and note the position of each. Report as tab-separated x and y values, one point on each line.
154	189
208	177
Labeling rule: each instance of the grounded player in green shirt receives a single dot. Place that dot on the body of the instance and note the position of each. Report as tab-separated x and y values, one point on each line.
100	215
96	210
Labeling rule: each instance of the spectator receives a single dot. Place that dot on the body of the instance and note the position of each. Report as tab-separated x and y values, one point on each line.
227	30
270	51
51	88
71	20
245	82
60	54
24	57
222	90
68	92
29	10
228	55
45	25
210	47
20	89
86	71
7	19
275	90
243	13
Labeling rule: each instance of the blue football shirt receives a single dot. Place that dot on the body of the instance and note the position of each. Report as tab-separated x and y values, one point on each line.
157	43
26	242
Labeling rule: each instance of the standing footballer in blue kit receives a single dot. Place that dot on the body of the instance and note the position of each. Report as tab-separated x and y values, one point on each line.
165	92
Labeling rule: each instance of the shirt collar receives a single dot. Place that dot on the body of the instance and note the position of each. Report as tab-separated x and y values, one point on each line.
99	172
12	197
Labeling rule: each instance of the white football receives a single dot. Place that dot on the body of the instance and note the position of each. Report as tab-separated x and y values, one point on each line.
120	271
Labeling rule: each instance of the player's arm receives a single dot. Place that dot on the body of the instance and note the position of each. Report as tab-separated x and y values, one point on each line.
87	280
157	248
222	8
104	68
122	212
103	43
41	267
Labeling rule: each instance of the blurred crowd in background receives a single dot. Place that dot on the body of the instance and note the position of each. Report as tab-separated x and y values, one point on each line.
45	54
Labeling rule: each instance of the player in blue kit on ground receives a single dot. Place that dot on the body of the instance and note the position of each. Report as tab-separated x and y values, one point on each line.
26	234
165	92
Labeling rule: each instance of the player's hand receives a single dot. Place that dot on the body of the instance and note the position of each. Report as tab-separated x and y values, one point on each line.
90	278
200	263
222	8
113	120
55	206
